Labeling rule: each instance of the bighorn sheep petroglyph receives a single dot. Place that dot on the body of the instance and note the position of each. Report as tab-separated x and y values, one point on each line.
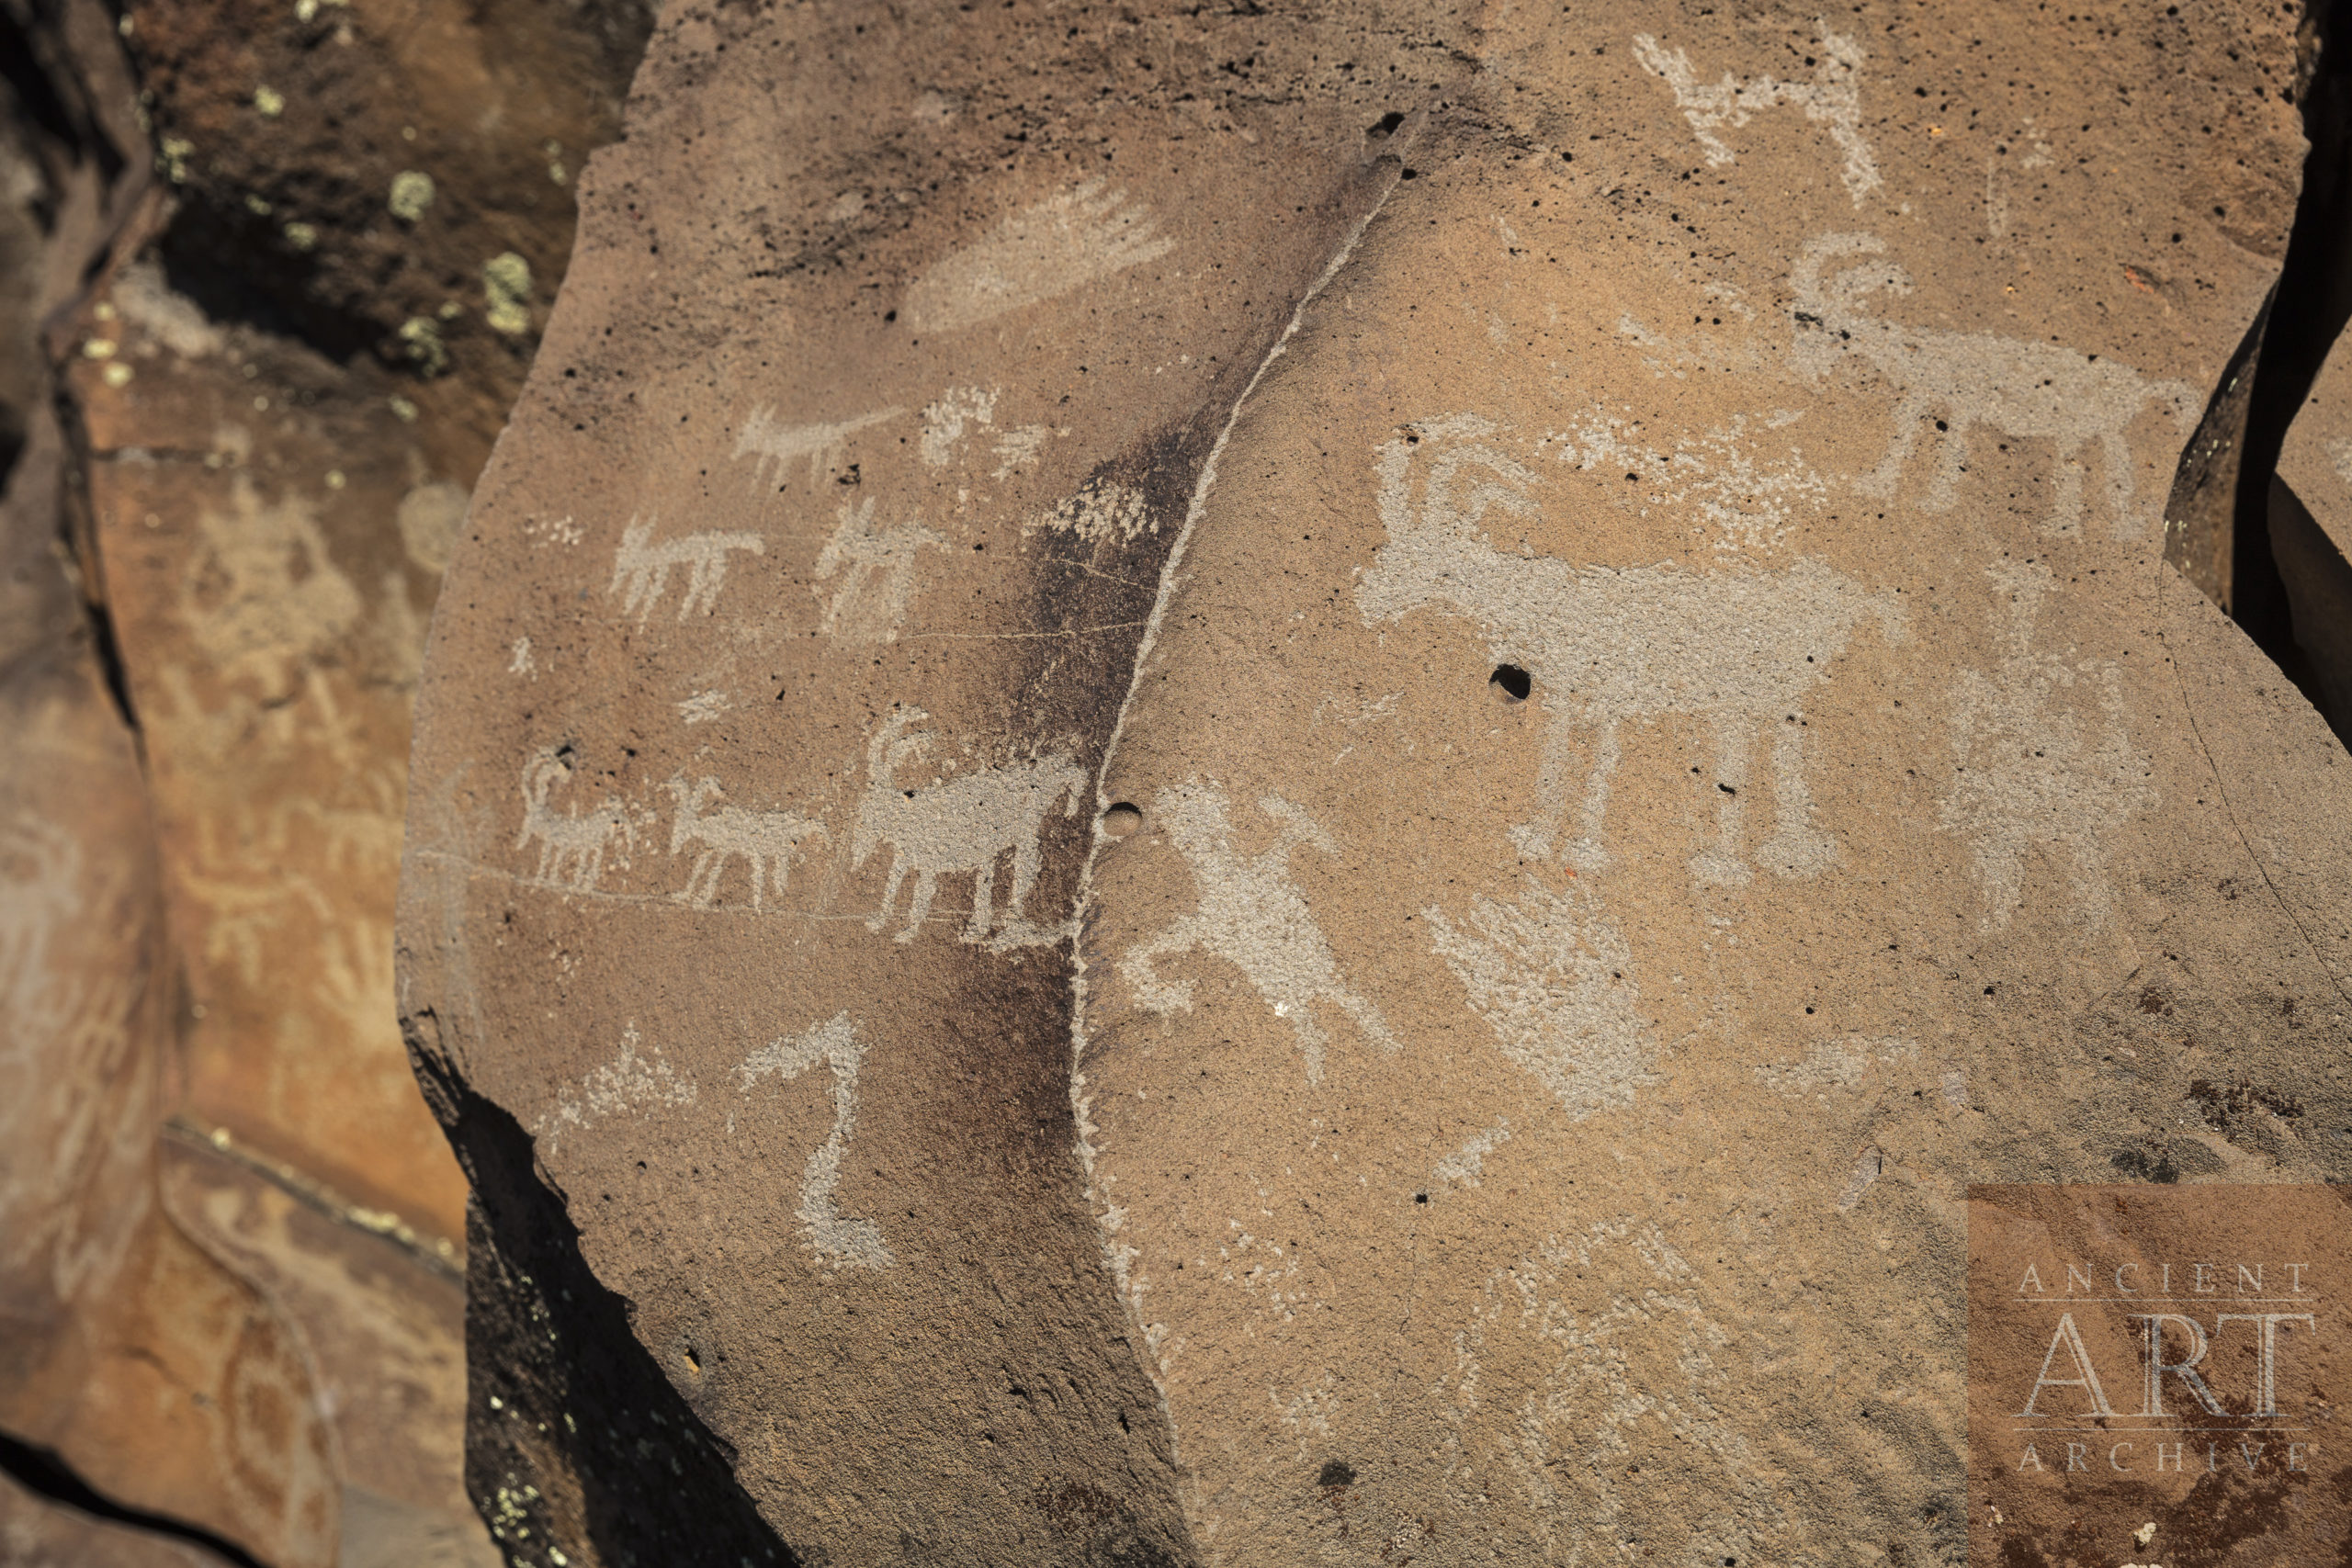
1609	644
769	840
573	838
961	825
2027	390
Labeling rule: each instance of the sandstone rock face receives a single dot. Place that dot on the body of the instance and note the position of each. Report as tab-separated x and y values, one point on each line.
1255	790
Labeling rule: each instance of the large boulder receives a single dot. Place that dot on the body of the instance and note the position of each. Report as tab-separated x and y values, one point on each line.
1243	786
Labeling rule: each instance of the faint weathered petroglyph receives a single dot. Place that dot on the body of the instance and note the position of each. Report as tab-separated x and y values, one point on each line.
703	707
2340	454
2040	757
841	1242
1833	99
769	841
2031	152
876	568
1046	251
1708	348
1102	512
1466	1164
943	422
774	447
641	568
40	875
1609	644
1835	1065
2024	389
572	843
1750	503
1252	916
262	596
1551	976
1866	1166
960	825
545	531
519	661
1017	448
629	1084
1587	1350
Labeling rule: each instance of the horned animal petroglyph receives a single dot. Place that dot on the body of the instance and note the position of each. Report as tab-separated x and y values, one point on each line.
769	840
575	839
1252	916
642	568
2025	390
961	825
1608	643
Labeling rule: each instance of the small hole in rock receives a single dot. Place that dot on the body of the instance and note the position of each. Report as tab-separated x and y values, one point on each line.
1121	821
1337	1472
694	1363
1515	683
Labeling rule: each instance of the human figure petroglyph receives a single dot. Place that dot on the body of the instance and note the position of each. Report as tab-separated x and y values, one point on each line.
771	444
641	568
1832	97
876	568
572	843
1736	649
2024	389
1252	916
769	840
964	824
844	1243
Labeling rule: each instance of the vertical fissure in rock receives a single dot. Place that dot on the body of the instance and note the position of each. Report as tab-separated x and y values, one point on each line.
46	1474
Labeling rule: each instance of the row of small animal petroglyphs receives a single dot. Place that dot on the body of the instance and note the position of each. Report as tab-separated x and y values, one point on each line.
959	826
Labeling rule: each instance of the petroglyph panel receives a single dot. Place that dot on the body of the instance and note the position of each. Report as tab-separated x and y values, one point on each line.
1059	244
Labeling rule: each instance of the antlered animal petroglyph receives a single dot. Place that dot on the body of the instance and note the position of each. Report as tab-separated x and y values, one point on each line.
844	1243
1608	643
876	567
2025	390
1832	97
572	843
769	840
962	825
642	568
1252	916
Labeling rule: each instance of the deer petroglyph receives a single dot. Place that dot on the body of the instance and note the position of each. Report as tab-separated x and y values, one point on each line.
769	840
572	843
2025	390
1252	916
964	824
641	568
1736	649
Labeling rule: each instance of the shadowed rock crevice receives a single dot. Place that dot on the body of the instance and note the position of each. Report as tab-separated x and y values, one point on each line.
45	1474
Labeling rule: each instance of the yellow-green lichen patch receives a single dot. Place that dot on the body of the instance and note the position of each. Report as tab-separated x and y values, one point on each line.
97	348
269	102
116	375
302	236
403	411
412	192
422	338
506	279
173	153
258	205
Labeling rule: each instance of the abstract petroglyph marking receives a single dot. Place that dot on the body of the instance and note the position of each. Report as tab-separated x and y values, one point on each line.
641	568
1466	1164
1252	916
1835	1065
2033	152
774	447
519	661
960	825
1745	645
703	707
1017	448
572	843
629	1084
1833	99
1552	977
2040	758
769	841
1059	244
1102	512
944	422
1750	501
876	570
841	1242
2023	389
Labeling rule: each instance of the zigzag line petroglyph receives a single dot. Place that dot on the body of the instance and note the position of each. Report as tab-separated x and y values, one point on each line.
844	1243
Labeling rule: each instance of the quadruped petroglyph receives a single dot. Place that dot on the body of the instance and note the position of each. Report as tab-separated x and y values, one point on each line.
769	841
1833	99
1738	648
641	568
2040	758
775	447
2024	389
1252	916
839	1241
1552	977
572	842
960	825
876	565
